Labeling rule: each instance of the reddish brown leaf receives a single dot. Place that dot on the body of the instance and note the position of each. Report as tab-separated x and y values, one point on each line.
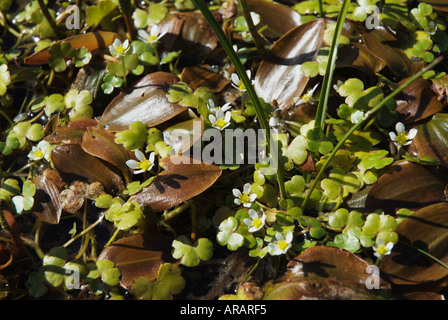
398	188
139	256
279	76
46	201
417	101
100	143
197	77
73	163
145	101
426	230
181	181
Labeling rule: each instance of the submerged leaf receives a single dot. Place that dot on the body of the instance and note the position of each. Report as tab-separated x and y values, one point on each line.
280	76
182	180
145	101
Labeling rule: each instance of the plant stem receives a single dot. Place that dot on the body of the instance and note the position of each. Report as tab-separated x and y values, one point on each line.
239	68
124	71
360	123
259	41
321	9
47	15
326	85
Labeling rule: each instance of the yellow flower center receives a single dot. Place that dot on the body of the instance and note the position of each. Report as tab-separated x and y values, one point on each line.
152	38
402	139
38	154
382	250
282	244
144	165
241	86
244	198
220	123
120	49
257	223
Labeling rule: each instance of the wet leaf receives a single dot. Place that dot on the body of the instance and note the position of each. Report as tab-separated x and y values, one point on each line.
183	135
91	40
181	181
72	133
47	205
145	101
385	46
279	18
417	101
432	138
323	272
426	229
189	32
279	76
100	143
398	187
73	163
358	57
138	256
201	76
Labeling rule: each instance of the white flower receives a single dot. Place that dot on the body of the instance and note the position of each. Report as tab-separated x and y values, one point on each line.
382	249
119	49
256	222
143	164
220	120
402	138
153	36
246	197
42	150
237	83
307	97
213	109
281	244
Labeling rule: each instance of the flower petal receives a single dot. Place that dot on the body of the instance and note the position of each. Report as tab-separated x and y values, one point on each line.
412	133
399	127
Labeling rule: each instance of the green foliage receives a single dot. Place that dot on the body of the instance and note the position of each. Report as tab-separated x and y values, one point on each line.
169	282
192	255
134	138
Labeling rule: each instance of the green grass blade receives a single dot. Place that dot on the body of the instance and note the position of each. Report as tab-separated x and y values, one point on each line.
239	68
326	85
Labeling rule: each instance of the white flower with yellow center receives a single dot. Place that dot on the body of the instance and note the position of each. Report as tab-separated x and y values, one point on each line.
281	244
41	151
307	97
237	82
213	109
220	120
402	137
256	221
246	197
153	36
143	164
381	249
120	49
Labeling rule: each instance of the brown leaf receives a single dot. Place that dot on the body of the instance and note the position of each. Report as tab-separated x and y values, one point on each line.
417	101
91	40
181	181
385	46
279	76
72	133
139	256
145	101
432	138
100	143
279	18
189	32
324	273
356	56
201	76
398	187
73	163
426	229
47	206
